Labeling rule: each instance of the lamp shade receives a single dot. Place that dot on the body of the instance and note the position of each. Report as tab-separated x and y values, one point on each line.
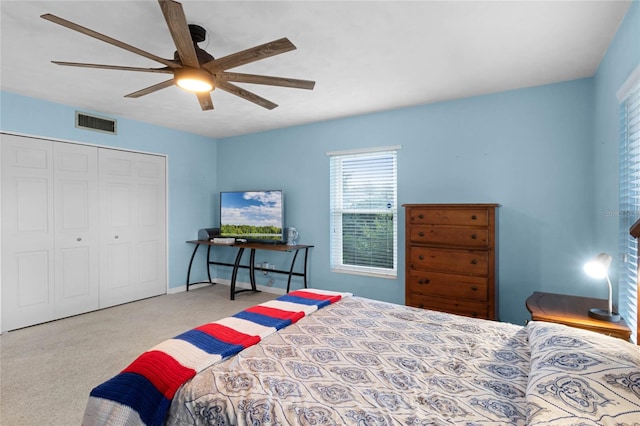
598	267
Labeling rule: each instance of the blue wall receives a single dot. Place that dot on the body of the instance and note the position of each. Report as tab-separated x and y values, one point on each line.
528	150
191	159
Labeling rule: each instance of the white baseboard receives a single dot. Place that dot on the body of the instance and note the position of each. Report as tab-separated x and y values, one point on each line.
221	281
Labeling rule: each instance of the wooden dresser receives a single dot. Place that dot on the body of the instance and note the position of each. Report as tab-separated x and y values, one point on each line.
450	256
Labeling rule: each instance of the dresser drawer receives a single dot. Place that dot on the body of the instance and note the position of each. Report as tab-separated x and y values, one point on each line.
449	216
448	285
465	262
450	235
459	307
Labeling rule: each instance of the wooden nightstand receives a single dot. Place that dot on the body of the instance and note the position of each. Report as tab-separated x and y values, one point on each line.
573	311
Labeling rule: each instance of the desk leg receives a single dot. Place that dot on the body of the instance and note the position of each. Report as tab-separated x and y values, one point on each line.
209	263
195	250
234	274
252	269
306	252
293	262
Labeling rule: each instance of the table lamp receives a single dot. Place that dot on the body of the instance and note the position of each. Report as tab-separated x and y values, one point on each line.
599	268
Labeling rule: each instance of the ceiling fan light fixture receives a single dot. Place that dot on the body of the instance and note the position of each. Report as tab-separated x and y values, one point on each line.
193	69
193	80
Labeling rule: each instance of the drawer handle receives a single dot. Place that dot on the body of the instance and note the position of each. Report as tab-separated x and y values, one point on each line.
474	262
421	216
421	257
421	306
421	234
474	237
474	314
79	239
474	288
474	217
427	281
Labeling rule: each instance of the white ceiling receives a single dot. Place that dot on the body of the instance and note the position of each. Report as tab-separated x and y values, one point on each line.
364	56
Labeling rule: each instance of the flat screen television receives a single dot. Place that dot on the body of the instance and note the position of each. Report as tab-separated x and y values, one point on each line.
252	215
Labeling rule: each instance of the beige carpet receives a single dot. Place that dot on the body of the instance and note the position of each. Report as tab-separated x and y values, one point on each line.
48	370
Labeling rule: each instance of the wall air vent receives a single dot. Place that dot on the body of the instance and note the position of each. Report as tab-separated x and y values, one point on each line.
92	122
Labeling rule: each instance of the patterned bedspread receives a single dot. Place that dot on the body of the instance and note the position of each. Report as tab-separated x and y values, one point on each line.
364	362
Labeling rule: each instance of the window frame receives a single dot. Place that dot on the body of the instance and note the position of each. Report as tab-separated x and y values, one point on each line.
629	201
337	211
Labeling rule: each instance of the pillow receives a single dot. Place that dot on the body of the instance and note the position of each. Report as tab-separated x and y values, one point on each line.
579	377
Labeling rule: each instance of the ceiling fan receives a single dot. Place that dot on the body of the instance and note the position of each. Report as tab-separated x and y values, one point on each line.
194	69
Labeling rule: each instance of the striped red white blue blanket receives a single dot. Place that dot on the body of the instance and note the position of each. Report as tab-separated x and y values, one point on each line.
142	392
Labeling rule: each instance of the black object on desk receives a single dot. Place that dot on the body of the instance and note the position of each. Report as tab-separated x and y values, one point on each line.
251	266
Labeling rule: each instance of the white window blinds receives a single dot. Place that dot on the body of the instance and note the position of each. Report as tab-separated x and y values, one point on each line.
629	97
363	212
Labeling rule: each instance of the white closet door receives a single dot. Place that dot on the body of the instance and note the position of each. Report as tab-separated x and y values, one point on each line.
132	226
151	224
76	229
27	232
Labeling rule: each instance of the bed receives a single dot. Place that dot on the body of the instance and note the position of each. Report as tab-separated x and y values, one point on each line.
315	357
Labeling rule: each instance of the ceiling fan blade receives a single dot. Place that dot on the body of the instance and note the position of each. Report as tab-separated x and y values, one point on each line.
107	39
264	79
245	94
177	23
205	100
113	67
250	55
150	89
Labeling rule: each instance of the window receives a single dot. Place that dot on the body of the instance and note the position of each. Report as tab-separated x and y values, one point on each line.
364	212
629	97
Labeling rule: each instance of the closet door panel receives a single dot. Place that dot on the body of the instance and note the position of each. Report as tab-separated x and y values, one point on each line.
76	229
132	205
150	269
33	269
151	224
119	278
73	277
118	258
27	232
32	206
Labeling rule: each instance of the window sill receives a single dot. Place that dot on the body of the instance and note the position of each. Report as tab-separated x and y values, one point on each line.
365	273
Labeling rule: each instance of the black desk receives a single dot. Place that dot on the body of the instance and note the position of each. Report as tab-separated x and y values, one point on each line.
251	266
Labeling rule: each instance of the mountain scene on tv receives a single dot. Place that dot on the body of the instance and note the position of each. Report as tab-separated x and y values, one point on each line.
252	215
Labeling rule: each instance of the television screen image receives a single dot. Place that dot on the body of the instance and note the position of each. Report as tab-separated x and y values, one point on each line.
252	215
